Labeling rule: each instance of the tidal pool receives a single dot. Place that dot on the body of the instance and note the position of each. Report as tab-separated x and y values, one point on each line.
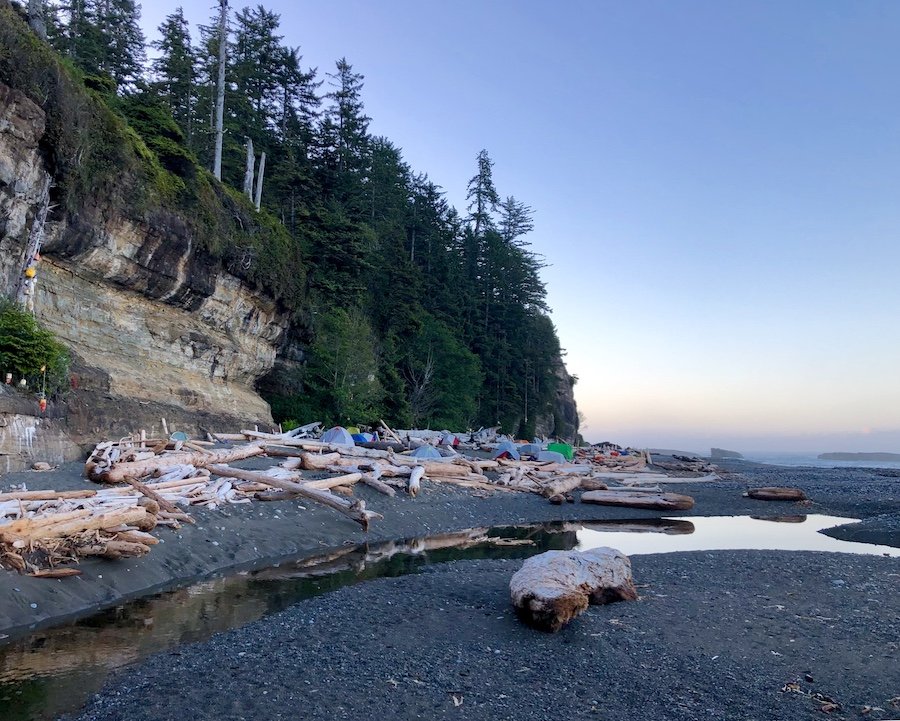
55	670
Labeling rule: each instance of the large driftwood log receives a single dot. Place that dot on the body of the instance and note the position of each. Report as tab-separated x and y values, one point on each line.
355	510
561	486
653	501
553	588
776	493
138	469
60	525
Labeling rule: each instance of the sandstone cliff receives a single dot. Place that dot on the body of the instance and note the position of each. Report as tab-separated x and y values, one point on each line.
158	328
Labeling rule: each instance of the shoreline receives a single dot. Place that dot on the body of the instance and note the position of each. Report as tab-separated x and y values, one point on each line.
236	538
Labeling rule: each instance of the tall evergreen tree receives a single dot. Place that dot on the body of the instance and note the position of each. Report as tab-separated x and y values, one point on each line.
345	140
173	70
482	195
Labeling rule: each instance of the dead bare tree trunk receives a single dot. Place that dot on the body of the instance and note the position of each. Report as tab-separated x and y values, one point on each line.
36	19
220	89
248	170
259	178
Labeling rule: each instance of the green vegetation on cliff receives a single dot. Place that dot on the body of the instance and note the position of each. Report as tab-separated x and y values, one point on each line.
405	308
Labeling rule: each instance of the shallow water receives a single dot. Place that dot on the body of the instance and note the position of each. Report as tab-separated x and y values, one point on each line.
56	670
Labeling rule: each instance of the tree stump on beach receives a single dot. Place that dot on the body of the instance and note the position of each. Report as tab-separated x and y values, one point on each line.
776	493
653	501
554	587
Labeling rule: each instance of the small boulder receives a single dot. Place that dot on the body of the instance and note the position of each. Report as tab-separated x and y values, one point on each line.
554	587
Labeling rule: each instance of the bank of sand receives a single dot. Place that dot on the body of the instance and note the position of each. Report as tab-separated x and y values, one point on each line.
405	647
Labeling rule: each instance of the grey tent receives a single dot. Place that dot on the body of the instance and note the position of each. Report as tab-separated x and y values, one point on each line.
529	449
426	451
338	435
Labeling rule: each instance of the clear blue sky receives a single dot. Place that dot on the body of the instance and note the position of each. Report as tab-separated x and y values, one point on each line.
715	183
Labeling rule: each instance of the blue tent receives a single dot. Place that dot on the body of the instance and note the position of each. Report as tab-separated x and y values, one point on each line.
551	456
507	449
529	449
427	452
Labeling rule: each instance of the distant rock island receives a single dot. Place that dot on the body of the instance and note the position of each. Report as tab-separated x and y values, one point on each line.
718	453
859	456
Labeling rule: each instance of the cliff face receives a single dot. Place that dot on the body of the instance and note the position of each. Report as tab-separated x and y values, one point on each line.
562	422
156	326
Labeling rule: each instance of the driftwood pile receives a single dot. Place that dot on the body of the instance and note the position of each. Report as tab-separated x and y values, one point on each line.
153	482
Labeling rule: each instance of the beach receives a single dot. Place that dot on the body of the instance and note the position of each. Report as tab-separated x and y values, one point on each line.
405	647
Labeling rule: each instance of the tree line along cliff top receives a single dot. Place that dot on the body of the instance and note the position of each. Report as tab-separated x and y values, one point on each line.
403	306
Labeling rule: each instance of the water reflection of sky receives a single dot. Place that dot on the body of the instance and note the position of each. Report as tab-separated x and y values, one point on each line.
721	533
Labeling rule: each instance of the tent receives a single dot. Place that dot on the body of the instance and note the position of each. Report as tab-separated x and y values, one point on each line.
338	435
552	456
507	449
426	452
563	448
529	449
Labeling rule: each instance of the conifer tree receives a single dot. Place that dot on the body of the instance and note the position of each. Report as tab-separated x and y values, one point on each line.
173	70
482	195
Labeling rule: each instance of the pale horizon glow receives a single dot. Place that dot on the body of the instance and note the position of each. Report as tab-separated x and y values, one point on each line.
715	186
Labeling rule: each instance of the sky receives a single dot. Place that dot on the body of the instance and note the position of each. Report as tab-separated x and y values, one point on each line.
715	186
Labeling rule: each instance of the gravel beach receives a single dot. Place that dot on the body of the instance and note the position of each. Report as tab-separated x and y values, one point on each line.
715	635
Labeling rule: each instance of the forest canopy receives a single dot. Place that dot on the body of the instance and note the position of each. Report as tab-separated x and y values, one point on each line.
406	307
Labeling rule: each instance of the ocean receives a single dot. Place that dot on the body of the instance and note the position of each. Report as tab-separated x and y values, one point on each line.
809	459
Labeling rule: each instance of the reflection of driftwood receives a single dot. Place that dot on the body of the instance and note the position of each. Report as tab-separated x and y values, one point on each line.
653	501
668	526
781	519
553	588
776	493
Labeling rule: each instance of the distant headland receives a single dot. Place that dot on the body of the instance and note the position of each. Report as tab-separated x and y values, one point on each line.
859	456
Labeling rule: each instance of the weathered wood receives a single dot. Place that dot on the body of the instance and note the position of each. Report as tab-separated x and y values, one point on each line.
592	484
55	573
45	495
415	476
388	430
150	493
318	461
138	469
554	587
560	486
776	493
356	510
114	549
373	481
39	528
653	501
137	537
325	484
